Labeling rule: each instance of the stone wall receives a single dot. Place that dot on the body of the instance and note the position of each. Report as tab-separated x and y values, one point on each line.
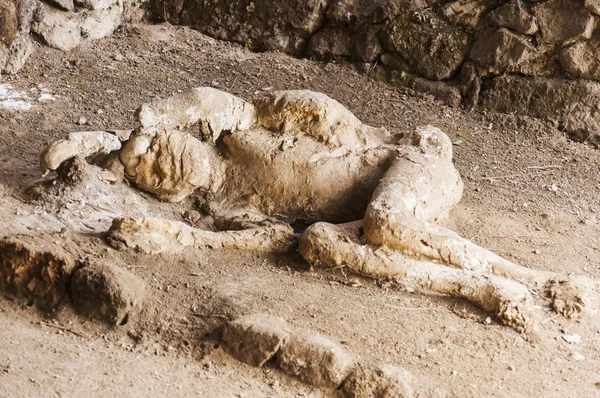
539	58
16	18
62	24
493	53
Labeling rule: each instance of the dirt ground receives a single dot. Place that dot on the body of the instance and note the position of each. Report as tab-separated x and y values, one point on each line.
531	195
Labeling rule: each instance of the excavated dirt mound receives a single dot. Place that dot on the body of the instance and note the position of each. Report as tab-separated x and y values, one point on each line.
530	195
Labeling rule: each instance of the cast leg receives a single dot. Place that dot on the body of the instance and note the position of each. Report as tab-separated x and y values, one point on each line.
330	245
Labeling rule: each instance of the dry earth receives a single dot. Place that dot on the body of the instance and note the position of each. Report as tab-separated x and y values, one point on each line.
531	195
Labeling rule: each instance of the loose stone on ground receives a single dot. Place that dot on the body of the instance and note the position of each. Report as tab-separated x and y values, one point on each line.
107	292
255	339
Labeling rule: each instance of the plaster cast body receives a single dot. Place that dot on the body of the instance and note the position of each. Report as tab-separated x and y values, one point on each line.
301	156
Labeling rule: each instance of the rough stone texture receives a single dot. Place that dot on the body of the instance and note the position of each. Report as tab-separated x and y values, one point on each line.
593	6
97	4
9	23
101	22
430	41
563	21
331	44
66	5
15	21
470	85
445	92
107	292
137	11
515	16
385	381
582	59
394	76
315	360
254	339
501	51
262	24
431	46
370	12
65	30
468	12
58	29
32	269
574	104
3	56
394	62
340	43
18	53
30	11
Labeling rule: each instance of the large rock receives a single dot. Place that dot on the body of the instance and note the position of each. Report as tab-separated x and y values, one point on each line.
341	43
593	6
255	339
315	360
9	22
573	104
563	21
59	29
65	30
370	12
32	269
501	51
102	22
15	21
261	24
18	53
391	72
515	16
582	59
432	47
468	12
30	11
382	381
107	293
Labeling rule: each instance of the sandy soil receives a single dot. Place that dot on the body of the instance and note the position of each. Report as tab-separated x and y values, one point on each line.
531	195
